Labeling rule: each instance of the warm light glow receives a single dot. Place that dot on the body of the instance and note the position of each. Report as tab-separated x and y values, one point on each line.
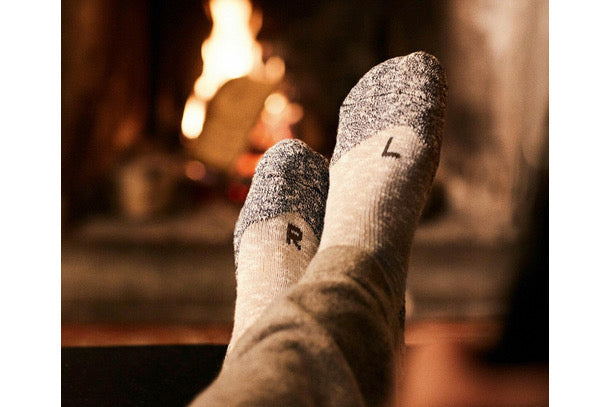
275	121
295	114
274	69
192	119
276	103
231	50
246	164
194	170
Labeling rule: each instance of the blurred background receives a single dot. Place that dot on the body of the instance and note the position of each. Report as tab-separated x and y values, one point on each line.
167	107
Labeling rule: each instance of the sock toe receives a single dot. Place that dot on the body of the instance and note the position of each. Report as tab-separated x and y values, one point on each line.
290	177
403	91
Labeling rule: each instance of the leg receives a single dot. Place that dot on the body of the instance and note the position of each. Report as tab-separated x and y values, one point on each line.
332	339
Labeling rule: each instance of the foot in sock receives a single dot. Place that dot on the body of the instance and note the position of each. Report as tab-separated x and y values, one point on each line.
279	227
385	159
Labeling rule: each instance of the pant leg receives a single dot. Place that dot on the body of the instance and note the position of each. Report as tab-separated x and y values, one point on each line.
331	341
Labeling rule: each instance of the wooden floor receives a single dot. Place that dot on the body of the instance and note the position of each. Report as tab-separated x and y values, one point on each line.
143	334
438	366
416	333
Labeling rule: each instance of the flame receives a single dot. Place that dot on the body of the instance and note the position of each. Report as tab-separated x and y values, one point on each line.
276	103
274	124
231	51
194	115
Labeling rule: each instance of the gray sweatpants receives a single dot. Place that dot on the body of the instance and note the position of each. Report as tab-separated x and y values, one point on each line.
331	341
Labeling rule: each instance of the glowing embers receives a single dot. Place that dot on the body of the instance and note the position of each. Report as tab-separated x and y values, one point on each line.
275	121
194	170
274	124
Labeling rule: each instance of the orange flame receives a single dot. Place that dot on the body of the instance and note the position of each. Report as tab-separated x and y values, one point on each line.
231	51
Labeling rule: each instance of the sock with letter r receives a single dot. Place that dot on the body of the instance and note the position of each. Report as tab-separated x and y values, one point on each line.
279	227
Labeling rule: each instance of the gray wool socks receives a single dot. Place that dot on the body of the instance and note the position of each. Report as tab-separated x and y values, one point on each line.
381	171
279	227
385	159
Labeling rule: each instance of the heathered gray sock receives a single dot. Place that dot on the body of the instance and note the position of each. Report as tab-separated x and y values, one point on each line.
279	227
385	158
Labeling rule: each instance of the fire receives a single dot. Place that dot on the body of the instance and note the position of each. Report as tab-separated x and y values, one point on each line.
231	51
250	114
194	115
273	125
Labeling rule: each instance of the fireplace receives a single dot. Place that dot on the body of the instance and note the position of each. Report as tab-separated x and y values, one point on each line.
158	153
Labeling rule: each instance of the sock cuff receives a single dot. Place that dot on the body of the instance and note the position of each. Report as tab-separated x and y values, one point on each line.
290	177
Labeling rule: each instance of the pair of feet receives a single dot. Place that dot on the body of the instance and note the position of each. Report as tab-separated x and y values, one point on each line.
369	196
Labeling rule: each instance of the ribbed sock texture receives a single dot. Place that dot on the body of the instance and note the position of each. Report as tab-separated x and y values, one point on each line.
387	152
279	228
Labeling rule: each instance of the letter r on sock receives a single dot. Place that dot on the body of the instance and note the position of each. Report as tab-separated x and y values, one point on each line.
294	235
